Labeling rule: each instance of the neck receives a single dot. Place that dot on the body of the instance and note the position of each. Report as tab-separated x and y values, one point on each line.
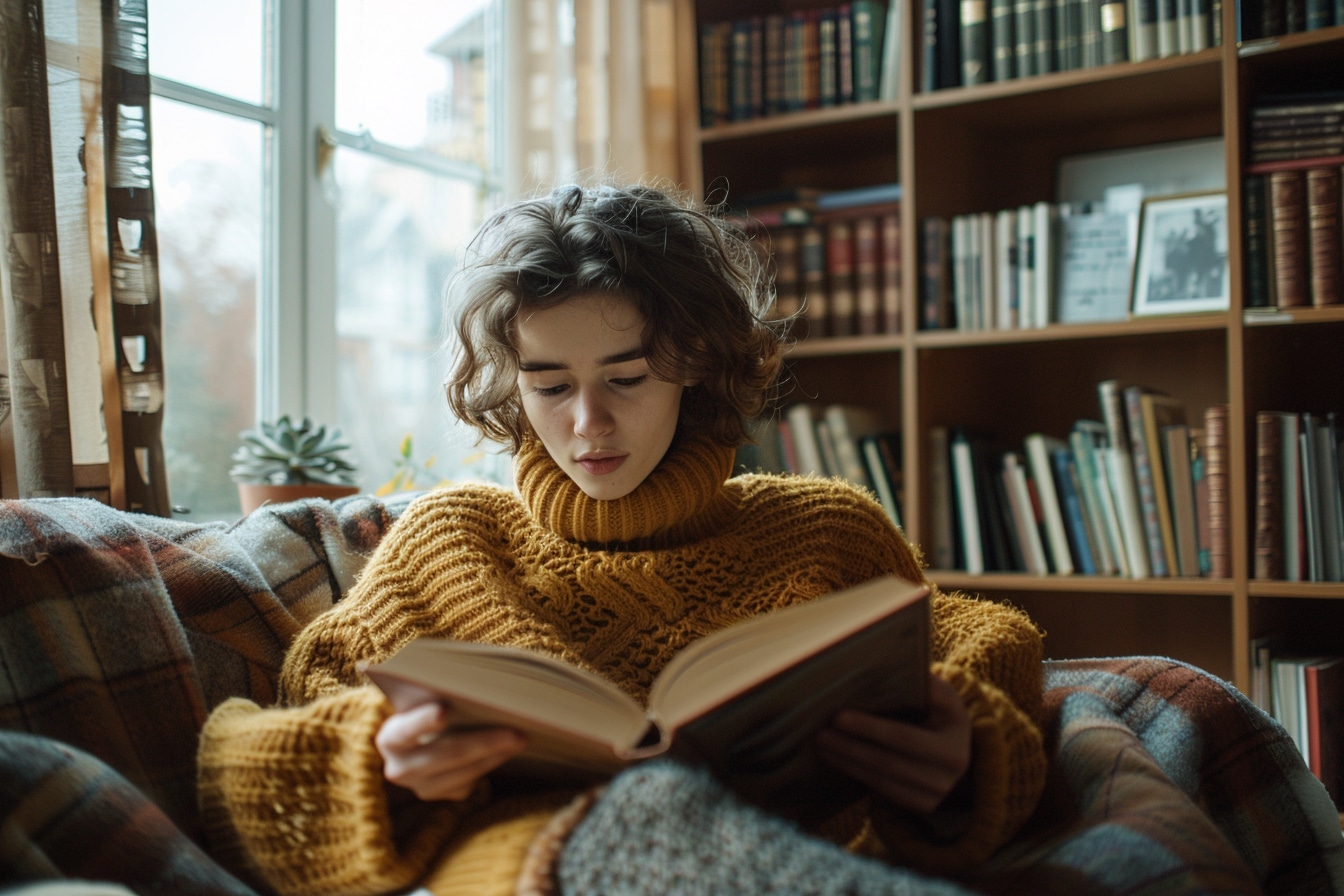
681	500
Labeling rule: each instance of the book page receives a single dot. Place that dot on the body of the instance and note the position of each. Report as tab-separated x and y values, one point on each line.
715	668
491	685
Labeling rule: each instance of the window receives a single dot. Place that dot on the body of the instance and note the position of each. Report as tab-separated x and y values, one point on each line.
319	168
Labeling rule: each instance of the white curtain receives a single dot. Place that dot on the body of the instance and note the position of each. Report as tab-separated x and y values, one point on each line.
592	93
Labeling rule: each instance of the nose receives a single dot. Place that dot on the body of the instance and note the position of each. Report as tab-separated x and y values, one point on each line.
592	417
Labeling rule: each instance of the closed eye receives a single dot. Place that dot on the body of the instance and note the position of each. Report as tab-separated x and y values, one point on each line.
629	380
551	390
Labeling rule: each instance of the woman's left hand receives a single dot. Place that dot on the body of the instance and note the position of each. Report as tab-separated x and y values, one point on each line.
913	765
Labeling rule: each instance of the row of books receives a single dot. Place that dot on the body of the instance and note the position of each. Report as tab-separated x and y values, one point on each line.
1026	267
1306	695
836	257
1270	18
845	440
1294	242
1140	493
1299	501
803	59
969	42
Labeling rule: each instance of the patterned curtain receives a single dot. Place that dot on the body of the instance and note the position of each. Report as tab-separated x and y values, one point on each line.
583	104
81	371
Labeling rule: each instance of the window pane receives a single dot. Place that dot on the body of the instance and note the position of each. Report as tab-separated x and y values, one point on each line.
397	76
208	193
401	231
213	46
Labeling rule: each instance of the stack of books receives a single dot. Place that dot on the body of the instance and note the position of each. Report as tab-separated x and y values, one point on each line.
1291	215
1299	505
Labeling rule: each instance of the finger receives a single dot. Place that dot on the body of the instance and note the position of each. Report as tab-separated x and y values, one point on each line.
907	785
458	783
913	743
413	727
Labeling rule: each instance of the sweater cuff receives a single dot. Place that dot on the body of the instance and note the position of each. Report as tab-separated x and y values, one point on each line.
295	798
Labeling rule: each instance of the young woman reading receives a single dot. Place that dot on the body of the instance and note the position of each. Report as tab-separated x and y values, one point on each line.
617	341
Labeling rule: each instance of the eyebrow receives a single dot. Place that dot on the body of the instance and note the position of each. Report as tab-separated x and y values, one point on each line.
619	358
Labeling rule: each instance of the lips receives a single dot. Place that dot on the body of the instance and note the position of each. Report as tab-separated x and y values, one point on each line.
600	466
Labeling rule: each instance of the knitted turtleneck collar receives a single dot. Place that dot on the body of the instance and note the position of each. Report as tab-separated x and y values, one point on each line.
681	500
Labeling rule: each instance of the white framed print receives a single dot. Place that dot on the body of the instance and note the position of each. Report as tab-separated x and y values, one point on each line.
1182	258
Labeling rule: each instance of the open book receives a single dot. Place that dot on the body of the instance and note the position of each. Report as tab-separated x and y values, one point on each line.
746	700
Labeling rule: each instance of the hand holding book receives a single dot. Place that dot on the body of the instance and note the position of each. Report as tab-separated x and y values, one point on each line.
747	700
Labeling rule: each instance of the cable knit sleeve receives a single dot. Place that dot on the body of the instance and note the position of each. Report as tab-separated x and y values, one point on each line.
293	797
991	653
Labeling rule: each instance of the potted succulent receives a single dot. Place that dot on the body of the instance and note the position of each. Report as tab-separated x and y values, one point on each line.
285	461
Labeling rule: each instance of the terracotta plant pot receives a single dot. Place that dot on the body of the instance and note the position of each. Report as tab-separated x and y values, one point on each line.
253	495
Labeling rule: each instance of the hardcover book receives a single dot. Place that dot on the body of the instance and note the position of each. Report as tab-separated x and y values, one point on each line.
746	701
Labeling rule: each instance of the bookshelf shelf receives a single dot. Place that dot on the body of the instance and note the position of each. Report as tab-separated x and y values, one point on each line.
1071	332
791	122
1195	74
968	150
1076	584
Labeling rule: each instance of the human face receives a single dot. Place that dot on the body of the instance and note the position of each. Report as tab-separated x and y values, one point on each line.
588	394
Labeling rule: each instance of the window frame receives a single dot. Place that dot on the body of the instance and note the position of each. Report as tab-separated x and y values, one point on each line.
297	347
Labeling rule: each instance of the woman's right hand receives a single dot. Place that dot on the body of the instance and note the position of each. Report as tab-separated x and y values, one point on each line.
420	756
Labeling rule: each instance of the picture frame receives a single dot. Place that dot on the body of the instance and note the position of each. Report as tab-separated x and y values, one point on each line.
1181	265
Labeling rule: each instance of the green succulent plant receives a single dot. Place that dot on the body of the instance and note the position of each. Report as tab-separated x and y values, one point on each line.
285	453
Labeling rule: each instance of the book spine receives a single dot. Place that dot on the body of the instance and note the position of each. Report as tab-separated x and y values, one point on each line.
1003	40
1323	234
1142	30
866	17
975	42
1042	475
1255	241
1199	452
889	226
1273	17
811	59
844	60
828	89
1024	38
1268	564
1114	33
867	275
1071	510
1168	28
812	263
1143	478
1123	476
933	275
940	499
967	506
740	71
774	49
1202	32
1218	474
1091	33
788	277
1043	33
929	71
1295	16
1288	237
840	277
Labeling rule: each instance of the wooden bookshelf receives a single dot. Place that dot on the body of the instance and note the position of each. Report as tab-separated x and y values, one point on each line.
998	145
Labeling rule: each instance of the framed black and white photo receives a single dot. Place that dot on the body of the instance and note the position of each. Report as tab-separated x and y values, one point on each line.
1182	258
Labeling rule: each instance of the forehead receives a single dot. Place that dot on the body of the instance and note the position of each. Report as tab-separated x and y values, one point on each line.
592	321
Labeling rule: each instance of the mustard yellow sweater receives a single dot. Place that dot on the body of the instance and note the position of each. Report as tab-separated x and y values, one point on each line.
294	798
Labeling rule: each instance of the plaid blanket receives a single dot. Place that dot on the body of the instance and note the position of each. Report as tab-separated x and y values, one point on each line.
119	633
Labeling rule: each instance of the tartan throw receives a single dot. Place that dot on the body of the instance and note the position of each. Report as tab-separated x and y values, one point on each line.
119	632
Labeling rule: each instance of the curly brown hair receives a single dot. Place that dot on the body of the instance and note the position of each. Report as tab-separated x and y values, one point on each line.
695	278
